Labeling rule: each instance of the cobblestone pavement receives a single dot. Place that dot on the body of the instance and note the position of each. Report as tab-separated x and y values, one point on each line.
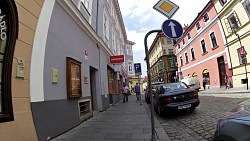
200	124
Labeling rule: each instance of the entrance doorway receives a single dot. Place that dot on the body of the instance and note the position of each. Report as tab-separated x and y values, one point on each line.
222	70
93	92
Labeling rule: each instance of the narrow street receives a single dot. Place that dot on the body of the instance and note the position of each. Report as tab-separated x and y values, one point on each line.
200	125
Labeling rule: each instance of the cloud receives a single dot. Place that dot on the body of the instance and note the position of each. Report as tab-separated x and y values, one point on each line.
145	18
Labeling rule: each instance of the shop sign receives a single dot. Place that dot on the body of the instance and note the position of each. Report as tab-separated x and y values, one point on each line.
3	26
117	59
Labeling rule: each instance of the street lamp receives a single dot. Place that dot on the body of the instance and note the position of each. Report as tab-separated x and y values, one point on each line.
243	57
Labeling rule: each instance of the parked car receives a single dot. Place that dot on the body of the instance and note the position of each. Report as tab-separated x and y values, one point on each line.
176	96
235	125
147	96
192	82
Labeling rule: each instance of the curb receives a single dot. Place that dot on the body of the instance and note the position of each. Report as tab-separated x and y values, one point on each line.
224	92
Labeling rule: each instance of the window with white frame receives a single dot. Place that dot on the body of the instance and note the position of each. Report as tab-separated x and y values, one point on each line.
234	20
203	46
198	26
222	2
192	53
205	17
181	60
179	46
213	40
87	4
113	40
105	27
246	5
189	36
183	41
186	57
129	50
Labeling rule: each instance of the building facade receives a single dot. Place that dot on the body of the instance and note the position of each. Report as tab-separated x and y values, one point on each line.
201	45
55	67
235	19
162	59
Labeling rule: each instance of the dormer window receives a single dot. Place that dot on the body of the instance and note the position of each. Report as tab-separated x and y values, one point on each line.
198	26
189	36
205	17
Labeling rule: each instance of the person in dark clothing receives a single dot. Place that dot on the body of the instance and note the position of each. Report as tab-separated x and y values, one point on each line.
204	81
137	91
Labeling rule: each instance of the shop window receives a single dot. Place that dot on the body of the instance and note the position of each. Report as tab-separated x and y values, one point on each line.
74	82
8	36
111	81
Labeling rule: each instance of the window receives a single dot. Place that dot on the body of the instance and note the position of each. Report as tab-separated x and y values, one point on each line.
169	41
179	46
205	17
186	57
233	20
113	40
105	27
129	50
181	61
203	45
222	2
189	36
86	5
170	51
242	59
198	26
246	5
172	62
183	41
192	53
213	40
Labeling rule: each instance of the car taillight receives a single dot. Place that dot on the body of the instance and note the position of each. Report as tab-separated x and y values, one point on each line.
196	95
167	100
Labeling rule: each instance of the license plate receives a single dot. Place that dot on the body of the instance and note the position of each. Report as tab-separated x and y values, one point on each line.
184	106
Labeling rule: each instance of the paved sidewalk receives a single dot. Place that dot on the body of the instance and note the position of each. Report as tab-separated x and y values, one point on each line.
124	121
223	90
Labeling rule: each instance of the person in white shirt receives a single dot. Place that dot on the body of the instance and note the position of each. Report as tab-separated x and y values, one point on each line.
125	91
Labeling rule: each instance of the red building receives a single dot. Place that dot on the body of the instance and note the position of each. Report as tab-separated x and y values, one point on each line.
201	50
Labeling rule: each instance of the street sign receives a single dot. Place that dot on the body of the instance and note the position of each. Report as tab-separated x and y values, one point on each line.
172	29
242	51
166	7
137	68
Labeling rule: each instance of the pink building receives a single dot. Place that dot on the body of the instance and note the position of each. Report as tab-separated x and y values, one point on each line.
201	51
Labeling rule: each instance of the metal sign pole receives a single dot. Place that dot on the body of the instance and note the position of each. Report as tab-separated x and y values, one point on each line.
149	83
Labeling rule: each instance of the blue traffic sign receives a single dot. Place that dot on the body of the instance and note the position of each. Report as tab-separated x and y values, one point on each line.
172	29
137	68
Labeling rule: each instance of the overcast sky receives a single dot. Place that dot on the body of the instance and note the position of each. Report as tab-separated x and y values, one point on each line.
139	18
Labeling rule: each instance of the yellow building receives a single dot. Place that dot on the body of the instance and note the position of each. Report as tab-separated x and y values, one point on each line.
133	81
235	20
162	59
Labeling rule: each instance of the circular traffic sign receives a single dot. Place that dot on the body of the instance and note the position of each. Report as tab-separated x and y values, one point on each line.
172	29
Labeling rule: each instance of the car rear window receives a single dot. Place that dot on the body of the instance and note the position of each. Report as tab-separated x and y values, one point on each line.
173	86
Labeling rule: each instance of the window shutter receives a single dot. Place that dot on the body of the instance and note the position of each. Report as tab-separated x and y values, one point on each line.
229	30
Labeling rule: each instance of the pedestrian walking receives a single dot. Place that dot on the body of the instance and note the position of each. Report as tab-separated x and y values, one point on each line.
125	91
137	91
226	81
204	80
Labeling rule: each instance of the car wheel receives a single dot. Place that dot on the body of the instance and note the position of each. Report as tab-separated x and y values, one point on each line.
160	111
